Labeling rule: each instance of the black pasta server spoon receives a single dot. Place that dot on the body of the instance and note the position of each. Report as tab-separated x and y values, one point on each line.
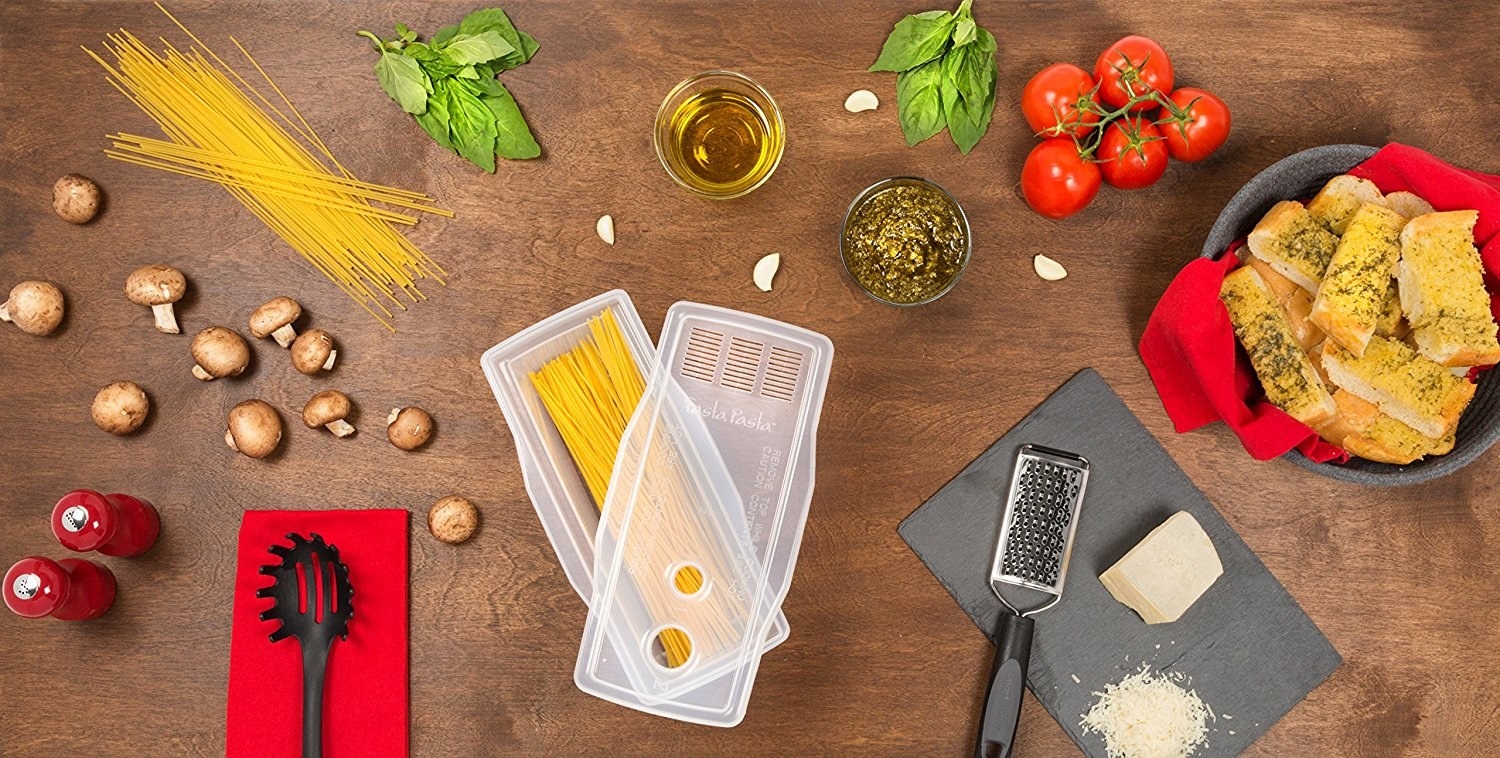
312	598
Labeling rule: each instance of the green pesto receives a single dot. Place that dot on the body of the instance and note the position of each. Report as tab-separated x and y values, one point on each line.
905	244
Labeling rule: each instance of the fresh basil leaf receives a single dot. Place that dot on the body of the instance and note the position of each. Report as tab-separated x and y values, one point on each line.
404	32
476	48
964	32
467	72
402	78
987	42
486	20
471	124
433	62
435	121
915	40
968	95
443	35
513	137
919	102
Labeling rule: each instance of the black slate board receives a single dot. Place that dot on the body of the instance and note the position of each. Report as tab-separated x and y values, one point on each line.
1249	650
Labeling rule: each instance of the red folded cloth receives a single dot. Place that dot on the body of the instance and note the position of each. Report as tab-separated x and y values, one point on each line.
1189	346
364	694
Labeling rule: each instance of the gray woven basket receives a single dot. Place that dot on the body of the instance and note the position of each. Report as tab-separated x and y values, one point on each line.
1301	175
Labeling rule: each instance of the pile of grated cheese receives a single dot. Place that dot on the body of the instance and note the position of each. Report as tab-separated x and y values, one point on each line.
1149	715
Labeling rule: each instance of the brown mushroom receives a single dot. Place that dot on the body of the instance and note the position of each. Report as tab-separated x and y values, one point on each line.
254	429
328	409
34	307
453	519
218	352
408	428
274	319
121	407
75	198
313	352
157	286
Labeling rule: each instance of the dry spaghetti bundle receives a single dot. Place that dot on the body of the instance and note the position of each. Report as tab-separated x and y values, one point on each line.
590	393
221	128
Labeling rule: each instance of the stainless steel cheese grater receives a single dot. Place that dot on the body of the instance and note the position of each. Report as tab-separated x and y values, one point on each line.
1031	562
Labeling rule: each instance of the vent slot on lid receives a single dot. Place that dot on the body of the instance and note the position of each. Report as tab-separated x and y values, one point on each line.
701	359
742	364
783	372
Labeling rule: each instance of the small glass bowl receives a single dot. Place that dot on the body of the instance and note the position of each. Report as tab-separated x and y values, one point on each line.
712	80
899	181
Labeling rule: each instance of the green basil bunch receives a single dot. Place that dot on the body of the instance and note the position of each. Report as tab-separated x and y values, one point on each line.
448	84
946	73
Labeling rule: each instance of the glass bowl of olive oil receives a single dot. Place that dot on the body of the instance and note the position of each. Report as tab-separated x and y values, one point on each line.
719	134
905	241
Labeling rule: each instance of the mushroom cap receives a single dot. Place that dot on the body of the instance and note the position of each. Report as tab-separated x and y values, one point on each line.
121	407
155	285
220	351
35	307
311	350
75	198
409	428
255	428
453	519
325	407
274	314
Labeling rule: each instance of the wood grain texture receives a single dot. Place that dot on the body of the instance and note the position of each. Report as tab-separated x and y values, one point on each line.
880	660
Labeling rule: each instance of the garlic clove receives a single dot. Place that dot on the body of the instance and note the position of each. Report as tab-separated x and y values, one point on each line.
861	100
765	270
1048	269
606	229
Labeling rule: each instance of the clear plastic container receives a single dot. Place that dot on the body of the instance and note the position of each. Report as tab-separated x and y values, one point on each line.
557	491
732	395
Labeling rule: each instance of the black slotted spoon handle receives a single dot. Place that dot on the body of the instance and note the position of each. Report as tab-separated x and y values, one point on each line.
315	610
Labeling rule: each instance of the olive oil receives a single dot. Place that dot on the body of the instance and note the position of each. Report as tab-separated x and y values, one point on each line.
722	143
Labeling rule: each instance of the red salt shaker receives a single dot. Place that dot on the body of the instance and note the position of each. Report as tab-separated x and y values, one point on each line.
116	524
72	589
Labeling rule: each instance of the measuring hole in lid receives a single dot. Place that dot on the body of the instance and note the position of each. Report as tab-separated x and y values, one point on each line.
671	648
688	580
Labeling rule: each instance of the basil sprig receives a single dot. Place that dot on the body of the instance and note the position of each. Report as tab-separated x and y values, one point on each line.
946	73
448	85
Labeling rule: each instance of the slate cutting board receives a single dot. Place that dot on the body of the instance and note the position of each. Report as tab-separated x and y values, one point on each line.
1250	651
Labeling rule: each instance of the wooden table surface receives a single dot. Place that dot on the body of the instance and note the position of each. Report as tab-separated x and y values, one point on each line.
880	660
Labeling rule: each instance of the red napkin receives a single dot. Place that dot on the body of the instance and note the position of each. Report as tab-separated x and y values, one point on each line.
364	695
1189	346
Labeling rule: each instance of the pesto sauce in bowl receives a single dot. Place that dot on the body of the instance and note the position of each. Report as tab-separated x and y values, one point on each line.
905	241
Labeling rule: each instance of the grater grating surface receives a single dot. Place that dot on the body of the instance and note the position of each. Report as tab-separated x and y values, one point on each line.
1041	515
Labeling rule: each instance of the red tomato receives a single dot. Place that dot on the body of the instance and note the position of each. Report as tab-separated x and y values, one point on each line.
1200	130
1133	66
1051	94
1058	183
1132	153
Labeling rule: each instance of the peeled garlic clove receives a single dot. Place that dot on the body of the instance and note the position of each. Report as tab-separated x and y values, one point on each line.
765	269
606	229
1048	269
861	100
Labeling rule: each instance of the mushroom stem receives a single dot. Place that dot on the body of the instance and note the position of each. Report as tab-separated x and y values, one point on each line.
332	356
201	374
340	428
284	335
166	321
229	440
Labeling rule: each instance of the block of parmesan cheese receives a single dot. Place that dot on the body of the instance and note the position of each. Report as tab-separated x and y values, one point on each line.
1163	575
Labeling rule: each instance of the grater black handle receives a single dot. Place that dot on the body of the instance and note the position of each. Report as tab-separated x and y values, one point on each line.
1002	704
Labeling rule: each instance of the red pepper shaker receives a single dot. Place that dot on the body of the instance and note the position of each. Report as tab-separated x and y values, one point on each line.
117	525
72	589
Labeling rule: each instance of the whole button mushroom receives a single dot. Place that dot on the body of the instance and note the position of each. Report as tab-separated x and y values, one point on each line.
274	319
313	352
408	428
75	198
328	409
120	408
254	429
453	519
219	352
34	307
157	286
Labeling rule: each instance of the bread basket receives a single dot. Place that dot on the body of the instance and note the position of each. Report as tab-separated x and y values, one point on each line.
1299	176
